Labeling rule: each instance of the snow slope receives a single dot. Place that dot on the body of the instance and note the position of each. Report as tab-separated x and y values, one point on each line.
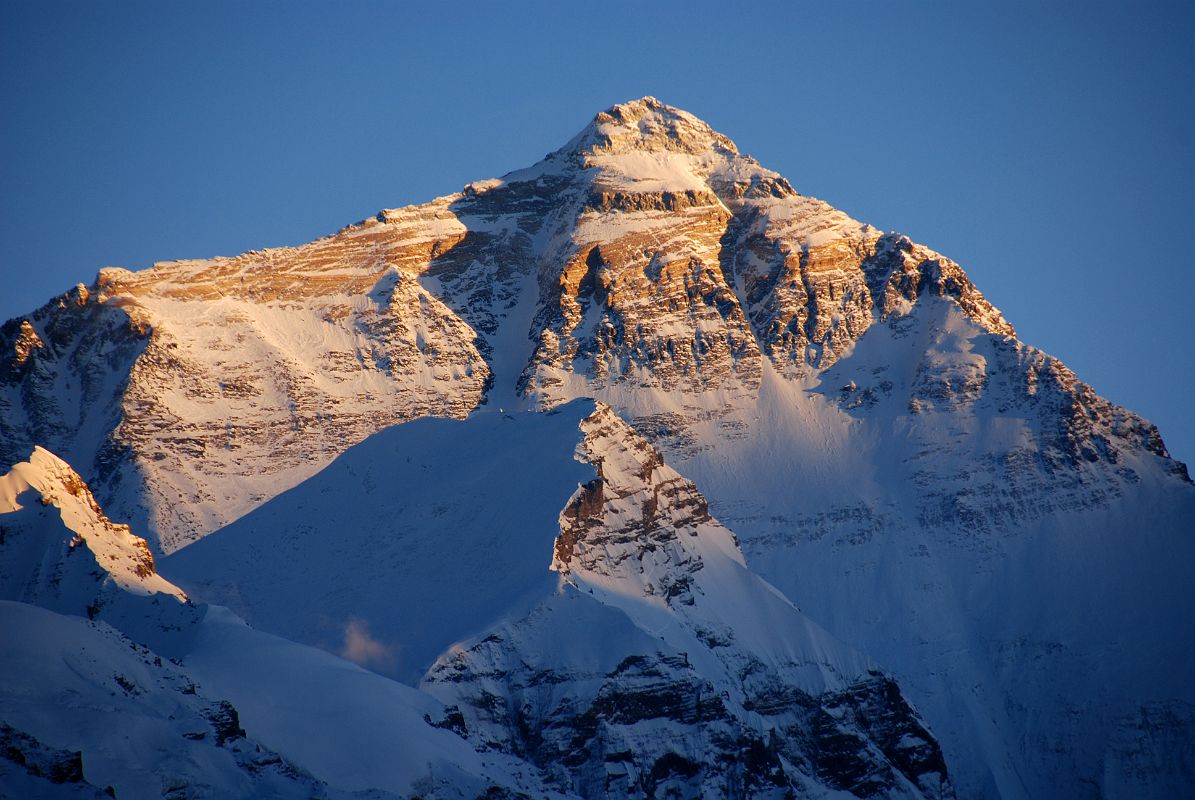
412	540
351	728
152	727
138	720
472	545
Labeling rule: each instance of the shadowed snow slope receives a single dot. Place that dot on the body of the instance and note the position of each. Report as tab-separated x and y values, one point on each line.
408	542
645	609
134	721
352	728
82	705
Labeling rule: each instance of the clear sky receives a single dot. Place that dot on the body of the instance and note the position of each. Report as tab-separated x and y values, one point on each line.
1047	147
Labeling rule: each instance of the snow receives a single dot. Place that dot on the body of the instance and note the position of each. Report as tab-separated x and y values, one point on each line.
512	348
348	726
121	554
648	172
78	685
391	531
140	721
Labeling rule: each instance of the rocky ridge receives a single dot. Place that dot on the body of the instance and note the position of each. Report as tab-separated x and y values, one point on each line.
59	550
705	682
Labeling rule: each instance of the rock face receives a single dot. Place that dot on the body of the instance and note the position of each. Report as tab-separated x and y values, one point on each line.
890	455
739	696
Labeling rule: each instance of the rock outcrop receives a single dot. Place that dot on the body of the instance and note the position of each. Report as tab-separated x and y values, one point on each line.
663	667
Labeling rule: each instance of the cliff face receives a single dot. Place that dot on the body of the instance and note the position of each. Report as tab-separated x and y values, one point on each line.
891	456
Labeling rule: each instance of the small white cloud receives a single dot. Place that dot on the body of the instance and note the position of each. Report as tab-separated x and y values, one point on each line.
361	648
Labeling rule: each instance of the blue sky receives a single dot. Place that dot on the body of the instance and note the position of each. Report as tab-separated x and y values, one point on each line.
1049	148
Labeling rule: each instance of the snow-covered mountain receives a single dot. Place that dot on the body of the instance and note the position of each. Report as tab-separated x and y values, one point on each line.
1011	548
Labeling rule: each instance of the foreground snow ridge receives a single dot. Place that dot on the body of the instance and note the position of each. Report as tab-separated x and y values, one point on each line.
539	488
50	481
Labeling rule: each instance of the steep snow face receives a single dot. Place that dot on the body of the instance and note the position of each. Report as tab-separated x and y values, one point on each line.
557	554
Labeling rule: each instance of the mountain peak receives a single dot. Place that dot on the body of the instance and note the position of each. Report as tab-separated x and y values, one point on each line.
644	146
647	125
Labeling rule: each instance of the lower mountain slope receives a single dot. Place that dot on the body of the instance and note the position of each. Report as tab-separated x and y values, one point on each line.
134	721
111	677
636	657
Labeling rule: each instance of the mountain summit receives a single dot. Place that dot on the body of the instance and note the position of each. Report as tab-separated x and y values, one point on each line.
647	125
890	456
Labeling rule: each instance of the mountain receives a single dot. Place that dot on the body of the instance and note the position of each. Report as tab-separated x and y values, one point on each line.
1011	548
